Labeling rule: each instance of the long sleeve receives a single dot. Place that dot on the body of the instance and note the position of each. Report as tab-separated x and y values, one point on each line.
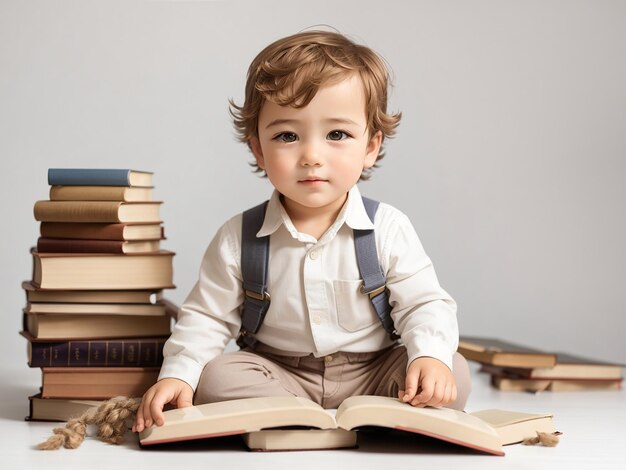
424	314
209	318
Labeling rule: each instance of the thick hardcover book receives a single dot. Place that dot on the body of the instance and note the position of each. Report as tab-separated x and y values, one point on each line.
92	271
87	309
300	439
58	409
97	211
98	177
514	426
96	231
34	295
554	385
58	326
567	367
100	193
256	414
503	353
69	245
97	383
124	352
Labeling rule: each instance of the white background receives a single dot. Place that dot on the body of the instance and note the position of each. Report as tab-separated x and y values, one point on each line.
509	159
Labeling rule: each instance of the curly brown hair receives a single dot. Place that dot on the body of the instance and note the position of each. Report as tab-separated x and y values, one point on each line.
290	71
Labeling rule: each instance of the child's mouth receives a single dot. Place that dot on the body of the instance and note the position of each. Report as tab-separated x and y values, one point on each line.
313	181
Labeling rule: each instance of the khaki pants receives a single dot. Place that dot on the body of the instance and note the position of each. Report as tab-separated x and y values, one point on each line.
326	380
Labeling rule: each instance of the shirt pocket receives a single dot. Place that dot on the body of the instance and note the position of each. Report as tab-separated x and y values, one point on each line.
354	309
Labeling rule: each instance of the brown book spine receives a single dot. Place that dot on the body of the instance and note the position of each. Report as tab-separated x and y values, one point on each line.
58	327
69	245
92	231
97	353
87	193
96	383
77	211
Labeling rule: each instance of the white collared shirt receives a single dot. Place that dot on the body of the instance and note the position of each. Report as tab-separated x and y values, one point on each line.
316	303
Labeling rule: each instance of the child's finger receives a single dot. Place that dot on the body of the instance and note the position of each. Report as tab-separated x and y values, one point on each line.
143	412
410	389
156	408
438	395
138	424
428	388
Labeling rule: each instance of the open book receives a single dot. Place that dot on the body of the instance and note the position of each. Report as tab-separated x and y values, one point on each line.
256	417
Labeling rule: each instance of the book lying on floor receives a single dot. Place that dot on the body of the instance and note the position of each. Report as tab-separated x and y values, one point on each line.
256	414
58	409
514	426
554	385
567	367
300	439
503	353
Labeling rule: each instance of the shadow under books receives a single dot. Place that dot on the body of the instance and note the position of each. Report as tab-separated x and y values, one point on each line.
370	439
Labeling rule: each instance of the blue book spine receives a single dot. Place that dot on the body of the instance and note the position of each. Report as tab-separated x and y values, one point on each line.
88	177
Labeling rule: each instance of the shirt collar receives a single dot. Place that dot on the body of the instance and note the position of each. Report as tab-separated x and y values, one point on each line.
273	216
356	216
353	214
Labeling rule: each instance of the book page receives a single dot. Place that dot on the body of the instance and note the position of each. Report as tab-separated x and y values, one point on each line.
237	417
442	423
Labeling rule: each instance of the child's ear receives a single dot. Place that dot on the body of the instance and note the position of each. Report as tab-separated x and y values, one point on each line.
257	151
373	149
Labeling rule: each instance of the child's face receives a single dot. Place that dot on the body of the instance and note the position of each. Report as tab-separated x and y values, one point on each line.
314	155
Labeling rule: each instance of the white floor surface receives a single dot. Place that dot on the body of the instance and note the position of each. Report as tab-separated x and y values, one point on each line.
593	426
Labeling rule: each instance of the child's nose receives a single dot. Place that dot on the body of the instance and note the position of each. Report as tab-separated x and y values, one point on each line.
310	155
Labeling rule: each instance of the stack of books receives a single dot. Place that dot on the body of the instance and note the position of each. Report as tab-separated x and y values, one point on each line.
514	367
95	317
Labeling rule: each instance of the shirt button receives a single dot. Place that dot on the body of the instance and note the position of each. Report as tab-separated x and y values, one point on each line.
317	320
314	254
328	359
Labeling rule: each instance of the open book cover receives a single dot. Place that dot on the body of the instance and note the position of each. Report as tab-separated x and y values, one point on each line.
256	414
514	426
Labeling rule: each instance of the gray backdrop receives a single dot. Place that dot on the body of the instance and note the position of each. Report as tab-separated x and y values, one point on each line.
509	159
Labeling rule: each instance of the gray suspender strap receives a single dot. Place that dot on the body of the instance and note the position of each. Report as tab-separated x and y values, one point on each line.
371	272
254	262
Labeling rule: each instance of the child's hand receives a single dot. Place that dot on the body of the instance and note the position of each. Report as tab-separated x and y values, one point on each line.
174	391
429	382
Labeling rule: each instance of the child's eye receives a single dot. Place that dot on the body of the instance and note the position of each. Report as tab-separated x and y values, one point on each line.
337	135
286	137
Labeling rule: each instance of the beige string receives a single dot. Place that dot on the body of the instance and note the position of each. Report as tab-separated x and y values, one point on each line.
110	417
547	439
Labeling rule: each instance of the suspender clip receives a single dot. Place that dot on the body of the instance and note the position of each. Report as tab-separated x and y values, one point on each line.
375	292
255	295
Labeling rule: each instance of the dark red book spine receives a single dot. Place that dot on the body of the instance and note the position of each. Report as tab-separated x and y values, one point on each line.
69	245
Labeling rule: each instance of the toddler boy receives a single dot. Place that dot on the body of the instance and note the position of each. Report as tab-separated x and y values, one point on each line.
315	117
